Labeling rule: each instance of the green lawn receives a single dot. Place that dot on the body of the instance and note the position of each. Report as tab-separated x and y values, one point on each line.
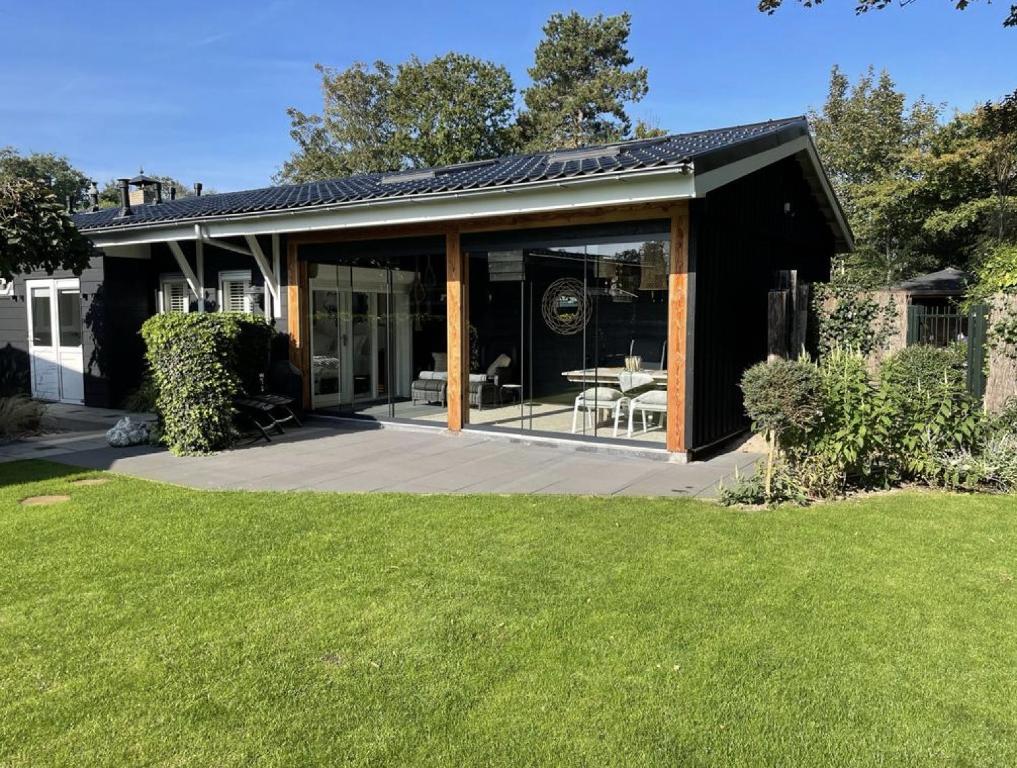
143	624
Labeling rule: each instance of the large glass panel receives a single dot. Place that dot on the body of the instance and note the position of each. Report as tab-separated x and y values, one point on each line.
364	319
571	334
390	335
69	314
325	359
42	321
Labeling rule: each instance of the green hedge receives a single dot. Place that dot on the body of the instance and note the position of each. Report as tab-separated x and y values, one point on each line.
200	362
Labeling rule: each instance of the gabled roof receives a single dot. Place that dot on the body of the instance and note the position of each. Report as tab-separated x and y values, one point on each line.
703	150
945	282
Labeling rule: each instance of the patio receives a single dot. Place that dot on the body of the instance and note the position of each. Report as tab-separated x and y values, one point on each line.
331	455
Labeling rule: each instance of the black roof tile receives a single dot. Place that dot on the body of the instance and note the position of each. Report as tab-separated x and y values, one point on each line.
515	169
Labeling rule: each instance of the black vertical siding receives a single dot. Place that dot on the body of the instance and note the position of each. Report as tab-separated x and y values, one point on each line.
128	302
741	235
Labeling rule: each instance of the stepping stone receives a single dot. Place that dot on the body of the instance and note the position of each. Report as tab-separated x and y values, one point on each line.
38	501
91	481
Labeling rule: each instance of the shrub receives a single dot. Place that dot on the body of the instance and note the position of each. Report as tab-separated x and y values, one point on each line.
143	399
993	467
924	367
751	490
19	416
200	362
782	397
929	408
852	436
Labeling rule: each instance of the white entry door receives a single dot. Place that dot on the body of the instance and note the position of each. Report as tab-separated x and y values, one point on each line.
54	340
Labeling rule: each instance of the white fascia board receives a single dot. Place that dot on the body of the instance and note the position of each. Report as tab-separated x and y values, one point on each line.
657	185
134	251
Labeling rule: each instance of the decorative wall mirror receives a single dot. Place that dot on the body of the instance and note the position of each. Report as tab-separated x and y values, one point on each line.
566	306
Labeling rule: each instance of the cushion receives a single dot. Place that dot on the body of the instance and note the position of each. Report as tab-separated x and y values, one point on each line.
440	361
436	375
501	361
601	394
477	377
655	397
429	385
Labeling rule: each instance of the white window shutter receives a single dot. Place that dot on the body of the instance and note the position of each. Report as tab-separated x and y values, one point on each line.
234	296
175	296
233	291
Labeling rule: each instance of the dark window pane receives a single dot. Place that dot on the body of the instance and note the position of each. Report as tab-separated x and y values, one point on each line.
69	312
42	327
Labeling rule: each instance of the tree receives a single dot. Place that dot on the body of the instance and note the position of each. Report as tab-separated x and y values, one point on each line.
452	109
648	129
65	180
863	6
869	140
36	232
353	134
582	81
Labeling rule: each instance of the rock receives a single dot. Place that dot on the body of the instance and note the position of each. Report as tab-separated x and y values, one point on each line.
127	432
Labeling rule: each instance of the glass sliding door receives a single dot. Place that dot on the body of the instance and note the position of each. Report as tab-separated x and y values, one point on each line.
379	345
570	330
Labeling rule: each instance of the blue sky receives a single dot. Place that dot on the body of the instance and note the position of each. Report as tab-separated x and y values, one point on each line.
199	90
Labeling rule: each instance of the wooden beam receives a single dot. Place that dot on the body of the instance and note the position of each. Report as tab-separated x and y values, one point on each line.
677	325
635	212
458	392
296	318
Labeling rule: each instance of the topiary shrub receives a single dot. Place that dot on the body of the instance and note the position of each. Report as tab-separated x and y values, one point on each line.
782	397
200	362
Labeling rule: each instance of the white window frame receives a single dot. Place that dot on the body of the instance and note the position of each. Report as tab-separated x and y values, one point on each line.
173	279
234	276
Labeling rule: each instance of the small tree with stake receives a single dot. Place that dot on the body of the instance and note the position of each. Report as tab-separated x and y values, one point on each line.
782	398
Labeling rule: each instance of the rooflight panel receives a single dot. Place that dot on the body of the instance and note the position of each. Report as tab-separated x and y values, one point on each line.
595	153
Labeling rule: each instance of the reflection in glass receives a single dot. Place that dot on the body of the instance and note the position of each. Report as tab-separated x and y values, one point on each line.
42	321
579	333
69	312
386	341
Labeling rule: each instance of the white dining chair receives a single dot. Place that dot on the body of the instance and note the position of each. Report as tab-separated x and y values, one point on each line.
628	381
648	404
592	402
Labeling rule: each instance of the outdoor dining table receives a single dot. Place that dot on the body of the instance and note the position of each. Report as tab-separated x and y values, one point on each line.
610	376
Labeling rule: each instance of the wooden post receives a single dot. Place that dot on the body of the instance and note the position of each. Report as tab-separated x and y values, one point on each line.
776	325
458	392
677	324
296	317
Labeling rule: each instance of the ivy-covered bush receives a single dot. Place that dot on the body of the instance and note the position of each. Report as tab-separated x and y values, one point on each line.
847	316
200	362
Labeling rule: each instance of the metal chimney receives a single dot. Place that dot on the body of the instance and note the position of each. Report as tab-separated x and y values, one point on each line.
158	192
197	188
173	192
125	198
93	196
